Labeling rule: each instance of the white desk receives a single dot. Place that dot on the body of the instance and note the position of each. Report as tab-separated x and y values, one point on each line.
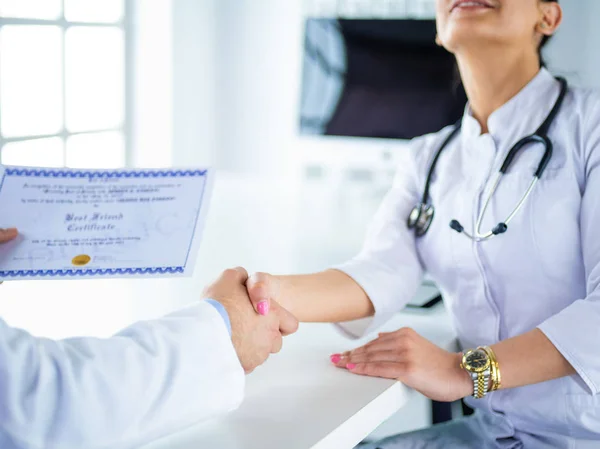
298	400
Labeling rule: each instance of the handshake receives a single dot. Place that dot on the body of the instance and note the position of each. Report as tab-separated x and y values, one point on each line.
258	323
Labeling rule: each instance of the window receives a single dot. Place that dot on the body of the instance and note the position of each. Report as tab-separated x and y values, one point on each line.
64	83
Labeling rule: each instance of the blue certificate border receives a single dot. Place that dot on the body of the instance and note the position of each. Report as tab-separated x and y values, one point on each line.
58	173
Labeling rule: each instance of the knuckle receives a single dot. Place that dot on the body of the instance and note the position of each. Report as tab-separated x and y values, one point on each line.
293	326
276	342
405	337
236	273
274	332
258	279
407	332
241	272
230	273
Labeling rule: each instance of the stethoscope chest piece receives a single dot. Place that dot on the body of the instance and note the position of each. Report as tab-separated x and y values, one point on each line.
420	219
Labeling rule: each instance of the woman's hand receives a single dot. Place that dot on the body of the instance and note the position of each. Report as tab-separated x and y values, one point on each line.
330	296
262	288
406	356
6	235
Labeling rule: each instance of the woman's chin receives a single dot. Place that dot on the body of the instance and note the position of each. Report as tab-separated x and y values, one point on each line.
468	37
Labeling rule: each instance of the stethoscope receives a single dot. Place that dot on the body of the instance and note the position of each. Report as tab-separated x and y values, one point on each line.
421	216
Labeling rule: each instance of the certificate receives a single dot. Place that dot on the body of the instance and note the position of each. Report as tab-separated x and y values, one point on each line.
102	223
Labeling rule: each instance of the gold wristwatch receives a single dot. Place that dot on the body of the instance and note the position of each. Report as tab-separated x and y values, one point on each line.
477	363
482	366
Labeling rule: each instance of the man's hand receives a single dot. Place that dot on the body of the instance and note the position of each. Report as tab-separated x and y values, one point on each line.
6	235
254	336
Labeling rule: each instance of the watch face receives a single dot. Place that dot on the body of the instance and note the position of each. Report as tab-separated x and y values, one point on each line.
477	361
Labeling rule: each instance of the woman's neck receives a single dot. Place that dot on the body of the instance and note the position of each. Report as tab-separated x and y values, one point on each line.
490	80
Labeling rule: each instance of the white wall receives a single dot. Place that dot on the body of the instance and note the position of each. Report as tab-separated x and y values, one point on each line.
153	84
194	82
236	78
259	45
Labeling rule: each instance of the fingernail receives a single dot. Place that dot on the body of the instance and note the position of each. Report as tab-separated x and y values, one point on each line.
263	308
351	366
335	358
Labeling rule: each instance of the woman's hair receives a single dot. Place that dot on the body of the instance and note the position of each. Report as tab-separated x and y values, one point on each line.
545	40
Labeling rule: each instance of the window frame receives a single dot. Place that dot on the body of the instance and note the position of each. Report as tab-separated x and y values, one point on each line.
126	128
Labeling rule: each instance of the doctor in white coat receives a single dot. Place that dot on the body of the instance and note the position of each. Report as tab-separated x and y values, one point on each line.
523	286
151	379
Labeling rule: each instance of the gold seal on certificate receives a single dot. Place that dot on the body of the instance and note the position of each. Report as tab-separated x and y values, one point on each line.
81	261
102	223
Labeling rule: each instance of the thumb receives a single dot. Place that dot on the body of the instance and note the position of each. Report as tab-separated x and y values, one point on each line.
6	235
261	289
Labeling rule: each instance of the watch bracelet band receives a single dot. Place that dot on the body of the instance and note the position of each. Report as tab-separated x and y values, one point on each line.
495	369
480	386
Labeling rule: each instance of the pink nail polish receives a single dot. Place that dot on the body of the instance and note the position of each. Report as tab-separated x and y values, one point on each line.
263	308
335	358
351	366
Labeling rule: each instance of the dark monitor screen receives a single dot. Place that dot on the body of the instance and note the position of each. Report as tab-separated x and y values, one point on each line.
377	78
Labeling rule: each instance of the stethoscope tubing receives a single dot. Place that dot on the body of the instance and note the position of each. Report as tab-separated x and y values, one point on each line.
421	223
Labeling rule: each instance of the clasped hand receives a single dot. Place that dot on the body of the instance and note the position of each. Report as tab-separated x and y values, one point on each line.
255	332
403	355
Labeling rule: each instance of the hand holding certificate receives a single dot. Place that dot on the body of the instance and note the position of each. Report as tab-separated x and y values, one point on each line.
101	223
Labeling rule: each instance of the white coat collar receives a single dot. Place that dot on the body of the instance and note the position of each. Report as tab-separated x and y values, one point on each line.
522	115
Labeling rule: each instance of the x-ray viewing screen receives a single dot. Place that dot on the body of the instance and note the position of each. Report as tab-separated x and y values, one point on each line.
377	78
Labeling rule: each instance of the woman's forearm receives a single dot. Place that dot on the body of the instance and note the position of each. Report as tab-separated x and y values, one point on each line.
529	359
330	296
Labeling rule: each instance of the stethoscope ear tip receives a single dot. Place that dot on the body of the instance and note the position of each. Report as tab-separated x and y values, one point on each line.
454	224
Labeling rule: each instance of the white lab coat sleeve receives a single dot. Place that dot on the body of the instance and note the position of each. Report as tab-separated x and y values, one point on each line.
388	267
151	379
575	331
